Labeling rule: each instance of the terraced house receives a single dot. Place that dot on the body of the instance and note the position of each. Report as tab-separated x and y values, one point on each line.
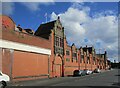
45	53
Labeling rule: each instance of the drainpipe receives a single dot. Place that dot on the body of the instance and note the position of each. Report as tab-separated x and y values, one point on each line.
85	62
1	58
91	58
52	68
49	66
62	68
78	62
11	63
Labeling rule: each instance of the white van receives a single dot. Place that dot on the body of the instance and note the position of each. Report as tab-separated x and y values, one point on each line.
3	80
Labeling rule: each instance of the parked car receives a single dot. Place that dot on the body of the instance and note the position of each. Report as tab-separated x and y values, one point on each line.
3	80
87	72
97	70
90	72
77	72
109	68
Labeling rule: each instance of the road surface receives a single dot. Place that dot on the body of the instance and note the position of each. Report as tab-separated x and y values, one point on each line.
106	78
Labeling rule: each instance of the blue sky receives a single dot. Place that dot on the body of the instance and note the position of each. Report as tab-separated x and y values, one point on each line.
24	16
92	23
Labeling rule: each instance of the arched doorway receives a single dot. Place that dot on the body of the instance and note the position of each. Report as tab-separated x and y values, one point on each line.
58	64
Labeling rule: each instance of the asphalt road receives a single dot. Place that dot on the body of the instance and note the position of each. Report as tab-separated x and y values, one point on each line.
107	78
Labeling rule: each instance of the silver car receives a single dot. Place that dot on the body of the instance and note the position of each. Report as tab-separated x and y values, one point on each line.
87	72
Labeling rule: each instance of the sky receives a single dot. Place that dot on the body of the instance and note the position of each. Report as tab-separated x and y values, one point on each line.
86	23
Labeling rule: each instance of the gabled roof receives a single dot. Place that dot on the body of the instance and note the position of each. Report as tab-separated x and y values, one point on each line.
44	30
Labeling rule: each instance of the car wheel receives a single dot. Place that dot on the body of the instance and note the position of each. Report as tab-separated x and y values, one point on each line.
3	84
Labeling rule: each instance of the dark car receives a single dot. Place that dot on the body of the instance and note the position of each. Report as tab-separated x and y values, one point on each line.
97	70
109	68
77	72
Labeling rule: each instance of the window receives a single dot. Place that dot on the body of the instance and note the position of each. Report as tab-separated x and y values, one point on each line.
67	59
59	27
59	41
61	51
62	40
74	55
88	60
82	58
94	62
67	52
56	41
102	56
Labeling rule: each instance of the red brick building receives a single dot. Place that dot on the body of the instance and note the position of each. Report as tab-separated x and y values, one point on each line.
43	54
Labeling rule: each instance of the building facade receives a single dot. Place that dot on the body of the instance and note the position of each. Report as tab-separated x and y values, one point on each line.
44	54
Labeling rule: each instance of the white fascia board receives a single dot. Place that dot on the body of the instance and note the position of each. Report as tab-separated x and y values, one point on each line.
23	47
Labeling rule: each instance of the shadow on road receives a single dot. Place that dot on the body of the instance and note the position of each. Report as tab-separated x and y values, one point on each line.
116	84
117	75
69	75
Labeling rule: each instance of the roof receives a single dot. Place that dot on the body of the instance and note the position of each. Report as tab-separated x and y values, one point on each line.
87	48
100	55
44	30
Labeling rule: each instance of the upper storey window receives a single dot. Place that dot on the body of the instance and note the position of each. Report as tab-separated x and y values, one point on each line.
56	41
67	52
58	27
75	55
59	41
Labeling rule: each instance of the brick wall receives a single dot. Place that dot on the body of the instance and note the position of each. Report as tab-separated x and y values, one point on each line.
25	39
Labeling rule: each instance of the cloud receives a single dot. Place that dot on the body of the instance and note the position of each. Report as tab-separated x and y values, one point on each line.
28	0
103	27
33	6
101	30
7	8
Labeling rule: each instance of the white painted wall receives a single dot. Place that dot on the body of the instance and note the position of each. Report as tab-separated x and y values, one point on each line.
23	47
